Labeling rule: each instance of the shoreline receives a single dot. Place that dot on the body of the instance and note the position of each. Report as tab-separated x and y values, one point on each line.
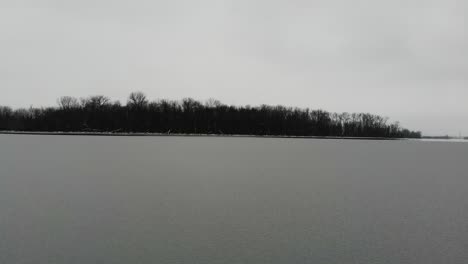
139	134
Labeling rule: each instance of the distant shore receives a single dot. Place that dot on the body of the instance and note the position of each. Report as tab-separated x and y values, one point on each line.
97	113
120	134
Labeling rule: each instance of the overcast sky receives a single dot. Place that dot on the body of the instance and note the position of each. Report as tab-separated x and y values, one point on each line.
405	59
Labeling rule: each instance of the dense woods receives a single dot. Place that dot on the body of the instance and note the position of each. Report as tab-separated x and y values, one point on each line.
188	116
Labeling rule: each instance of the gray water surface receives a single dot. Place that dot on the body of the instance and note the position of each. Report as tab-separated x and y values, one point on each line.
84	199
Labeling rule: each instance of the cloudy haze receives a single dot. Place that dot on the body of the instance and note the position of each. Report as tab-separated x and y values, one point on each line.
404	59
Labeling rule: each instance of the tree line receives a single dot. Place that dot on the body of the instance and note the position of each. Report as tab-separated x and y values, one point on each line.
188	116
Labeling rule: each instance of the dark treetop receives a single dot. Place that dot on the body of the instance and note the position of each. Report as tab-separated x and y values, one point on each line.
99	114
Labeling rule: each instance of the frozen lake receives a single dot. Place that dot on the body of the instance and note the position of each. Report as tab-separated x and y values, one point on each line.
88	199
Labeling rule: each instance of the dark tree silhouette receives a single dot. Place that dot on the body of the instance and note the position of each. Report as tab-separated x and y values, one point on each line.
188	116
67	102
137	99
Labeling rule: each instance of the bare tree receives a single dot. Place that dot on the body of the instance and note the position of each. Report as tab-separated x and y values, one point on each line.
67	102
137	99
212	103
189	104
5	111
96	101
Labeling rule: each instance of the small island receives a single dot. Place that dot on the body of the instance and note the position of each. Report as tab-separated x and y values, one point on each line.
99	115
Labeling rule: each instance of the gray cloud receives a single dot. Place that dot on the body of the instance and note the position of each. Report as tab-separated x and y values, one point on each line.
403	59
